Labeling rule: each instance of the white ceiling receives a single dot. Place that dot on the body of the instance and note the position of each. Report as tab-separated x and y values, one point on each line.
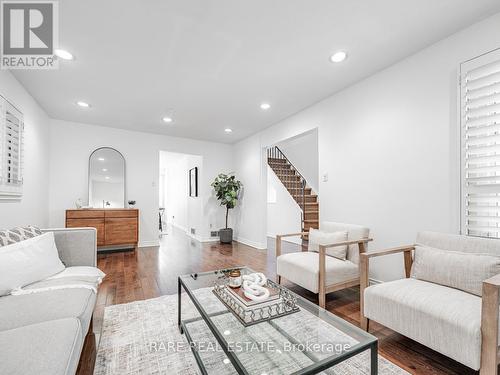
209	64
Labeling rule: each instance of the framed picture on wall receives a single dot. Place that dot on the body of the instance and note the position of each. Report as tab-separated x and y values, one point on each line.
193	182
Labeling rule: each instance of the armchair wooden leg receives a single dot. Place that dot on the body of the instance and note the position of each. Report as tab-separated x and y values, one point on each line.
489	330
322	276
322	299
365	323
363	284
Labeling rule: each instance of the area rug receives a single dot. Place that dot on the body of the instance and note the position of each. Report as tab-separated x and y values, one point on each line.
142	338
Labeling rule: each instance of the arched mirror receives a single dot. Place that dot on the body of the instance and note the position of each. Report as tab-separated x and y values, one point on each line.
106	179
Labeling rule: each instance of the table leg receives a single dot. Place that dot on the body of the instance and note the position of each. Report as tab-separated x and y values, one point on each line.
179	302
374	358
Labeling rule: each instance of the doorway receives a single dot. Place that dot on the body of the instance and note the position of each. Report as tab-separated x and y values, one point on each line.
179	203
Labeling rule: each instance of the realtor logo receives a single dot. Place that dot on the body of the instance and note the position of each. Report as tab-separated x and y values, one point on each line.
29	34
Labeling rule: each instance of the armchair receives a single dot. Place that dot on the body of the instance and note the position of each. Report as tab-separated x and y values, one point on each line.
317	271
457	323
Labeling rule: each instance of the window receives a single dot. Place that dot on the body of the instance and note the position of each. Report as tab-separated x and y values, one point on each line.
480	145
11	151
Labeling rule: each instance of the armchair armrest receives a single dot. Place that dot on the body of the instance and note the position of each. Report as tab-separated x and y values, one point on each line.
394	250
280	236
489	325
347	243
76	246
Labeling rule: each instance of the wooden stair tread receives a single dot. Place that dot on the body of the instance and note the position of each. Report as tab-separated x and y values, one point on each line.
303	195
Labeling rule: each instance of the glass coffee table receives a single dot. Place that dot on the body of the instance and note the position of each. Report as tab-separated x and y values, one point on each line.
308	341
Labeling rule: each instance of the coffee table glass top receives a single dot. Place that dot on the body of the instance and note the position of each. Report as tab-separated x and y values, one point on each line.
306	342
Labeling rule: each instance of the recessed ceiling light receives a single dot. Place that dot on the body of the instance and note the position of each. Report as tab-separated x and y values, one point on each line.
228	130
227	332
100	159
82	104
226	361
107	177
265	106
338	56
104	170
63	54
167	119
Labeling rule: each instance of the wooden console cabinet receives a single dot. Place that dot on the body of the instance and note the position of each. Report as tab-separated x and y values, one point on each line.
115	227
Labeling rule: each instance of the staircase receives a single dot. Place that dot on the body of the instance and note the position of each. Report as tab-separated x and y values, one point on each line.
296	185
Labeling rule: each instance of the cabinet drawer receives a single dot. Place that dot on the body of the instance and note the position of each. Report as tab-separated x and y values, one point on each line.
121	213
120	231
92	223
84	214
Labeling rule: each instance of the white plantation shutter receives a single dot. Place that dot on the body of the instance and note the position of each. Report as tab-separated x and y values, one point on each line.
480	136
11	150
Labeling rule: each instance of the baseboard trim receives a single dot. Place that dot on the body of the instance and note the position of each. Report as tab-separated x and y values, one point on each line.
148	243
295	240
257	245
184	229
210	239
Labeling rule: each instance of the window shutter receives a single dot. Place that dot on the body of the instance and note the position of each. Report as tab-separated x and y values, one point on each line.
11	150
480	138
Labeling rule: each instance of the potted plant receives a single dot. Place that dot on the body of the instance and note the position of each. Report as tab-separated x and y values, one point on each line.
226	189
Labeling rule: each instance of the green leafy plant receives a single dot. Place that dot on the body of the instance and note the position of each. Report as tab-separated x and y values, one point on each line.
226	189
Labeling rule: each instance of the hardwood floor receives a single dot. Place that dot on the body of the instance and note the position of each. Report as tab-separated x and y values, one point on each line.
152	272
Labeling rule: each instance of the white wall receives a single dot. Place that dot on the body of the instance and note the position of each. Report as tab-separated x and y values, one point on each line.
303	153
283	213
389	145
249	217
34	206
72	144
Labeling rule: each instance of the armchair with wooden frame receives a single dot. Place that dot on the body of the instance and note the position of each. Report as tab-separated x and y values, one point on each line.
425	311
317	271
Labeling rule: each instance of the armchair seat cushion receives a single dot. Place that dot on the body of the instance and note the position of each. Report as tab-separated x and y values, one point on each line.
445	319
302	268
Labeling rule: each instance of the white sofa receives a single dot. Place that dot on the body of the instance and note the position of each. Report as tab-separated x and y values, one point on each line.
50	332
448	300
318	272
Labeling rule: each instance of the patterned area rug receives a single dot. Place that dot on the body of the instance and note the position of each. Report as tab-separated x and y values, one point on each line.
142	338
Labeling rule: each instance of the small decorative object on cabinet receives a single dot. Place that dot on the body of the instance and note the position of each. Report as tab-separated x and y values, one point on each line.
117	229
11	151
131	204
227	189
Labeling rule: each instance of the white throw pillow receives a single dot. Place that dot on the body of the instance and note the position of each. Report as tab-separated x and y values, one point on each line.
464	271
317	237
28	261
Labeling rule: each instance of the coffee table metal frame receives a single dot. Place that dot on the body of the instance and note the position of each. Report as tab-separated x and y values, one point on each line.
317	367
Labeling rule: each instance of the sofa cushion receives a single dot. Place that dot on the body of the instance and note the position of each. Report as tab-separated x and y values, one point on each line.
18	311
317	237
303	269
464	271
47	348
18	234
442	318
28	261
354	232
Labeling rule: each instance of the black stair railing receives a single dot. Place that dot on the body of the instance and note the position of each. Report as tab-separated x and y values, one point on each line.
273	155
